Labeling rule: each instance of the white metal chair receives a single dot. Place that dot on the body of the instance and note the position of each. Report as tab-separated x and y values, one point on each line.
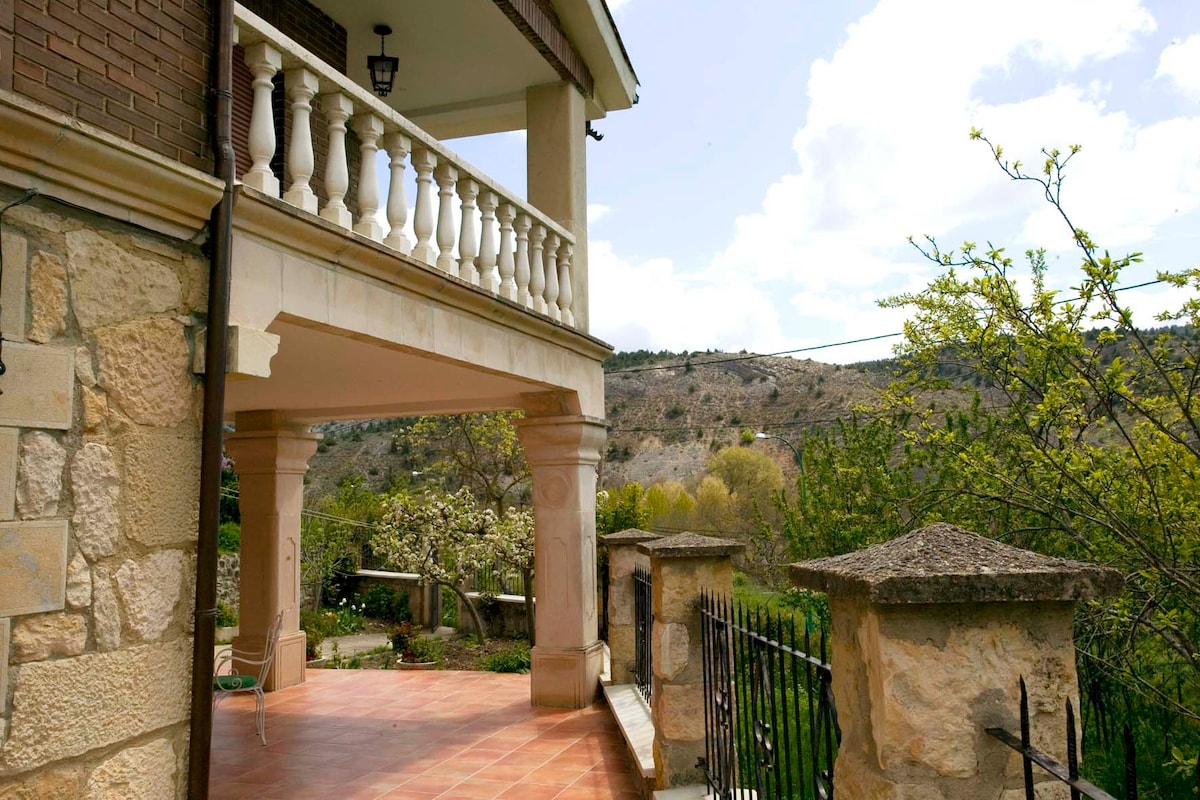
226	681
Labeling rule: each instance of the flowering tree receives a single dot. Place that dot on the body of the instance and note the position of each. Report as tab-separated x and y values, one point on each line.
447	538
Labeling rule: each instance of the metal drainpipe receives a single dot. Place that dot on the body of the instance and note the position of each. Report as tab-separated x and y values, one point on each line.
221	243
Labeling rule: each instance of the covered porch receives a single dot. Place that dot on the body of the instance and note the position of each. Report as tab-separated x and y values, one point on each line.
385	734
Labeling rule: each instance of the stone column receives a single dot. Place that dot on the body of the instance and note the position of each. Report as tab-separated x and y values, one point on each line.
623	557
271	457
680	567
931	634
556	173
567	659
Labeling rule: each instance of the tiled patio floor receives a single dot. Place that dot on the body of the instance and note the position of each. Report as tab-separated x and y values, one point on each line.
359	734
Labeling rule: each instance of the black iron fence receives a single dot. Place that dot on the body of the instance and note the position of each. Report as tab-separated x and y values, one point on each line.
499	578
602	585
1068	773
769	718
643	615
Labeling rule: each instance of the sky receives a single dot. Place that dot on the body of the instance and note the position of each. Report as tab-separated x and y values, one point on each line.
761	194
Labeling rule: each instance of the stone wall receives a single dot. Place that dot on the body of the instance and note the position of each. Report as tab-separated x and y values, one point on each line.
99	478
229	578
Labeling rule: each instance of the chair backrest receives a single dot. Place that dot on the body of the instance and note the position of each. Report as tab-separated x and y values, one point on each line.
269	648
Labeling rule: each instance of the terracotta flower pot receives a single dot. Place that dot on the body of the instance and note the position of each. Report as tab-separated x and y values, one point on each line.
416	665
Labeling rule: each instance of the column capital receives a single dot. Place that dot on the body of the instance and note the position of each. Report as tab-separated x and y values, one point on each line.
571	439
265	443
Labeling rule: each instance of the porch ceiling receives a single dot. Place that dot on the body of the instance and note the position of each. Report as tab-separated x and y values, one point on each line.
318	375
459	60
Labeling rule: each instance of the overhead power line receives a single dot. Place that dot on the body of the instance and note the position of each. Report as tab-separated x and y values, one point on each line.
825	346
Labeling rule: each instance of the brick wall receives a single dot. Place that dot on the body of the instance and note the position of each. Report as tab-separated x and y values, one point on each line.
135	68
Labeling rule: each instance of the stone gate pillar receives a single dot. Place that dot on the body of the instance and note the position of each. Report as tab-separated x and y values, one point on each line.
563	452
271	456
931	634
623	557
681	567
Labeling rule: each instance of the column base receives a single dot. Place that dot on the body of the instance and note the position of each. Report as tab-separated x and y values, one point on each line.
288	667
566	677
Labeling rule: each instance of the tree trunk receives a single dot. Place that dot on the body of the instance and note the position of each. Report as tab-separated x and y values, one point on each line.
476	621
527	577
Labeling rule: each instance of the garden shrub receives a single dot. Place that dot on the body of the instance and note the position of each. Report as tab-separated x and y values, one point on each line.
423	648
229	537
383	602
514	659
226	615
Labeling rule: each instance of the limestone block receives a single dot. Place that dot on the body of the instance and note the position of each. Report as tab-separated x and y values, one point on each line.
95	409
95	485
110	283
99	698
41	637
33	567
139	773
85	371
678	711
671	641
681	580
150	589
79	582
106	611
12	286
39	481
45	783
8	472
47	297
5	629
38	386
144	365
156	511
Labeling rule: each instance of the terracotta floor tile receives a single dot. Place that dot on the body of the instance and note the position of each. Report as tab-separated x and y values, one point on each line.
378	734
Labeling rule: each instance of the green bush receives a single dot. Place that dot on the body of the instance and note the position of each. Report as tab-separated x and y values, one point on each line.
423	648
402	634
226	616
229	537
514	659
317	626
385	603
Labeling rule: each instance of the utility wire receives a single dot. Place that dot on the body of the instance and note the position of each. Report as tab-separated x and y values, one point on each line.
827	345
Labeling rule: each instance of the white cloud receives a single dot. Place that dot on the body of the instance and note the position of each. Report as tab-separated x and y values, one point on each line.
597	211
1180	64
616	5
884	154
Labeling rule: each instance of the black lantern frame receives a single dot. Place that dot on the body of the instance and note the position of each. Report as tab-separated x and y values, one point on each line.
383	67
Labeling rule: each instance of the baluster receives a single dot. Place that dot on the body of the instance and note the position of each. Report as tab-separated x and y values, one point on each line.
486	263
264	61
468	248
537	268
565	293
369	128
302	86
550	293
338	109
508	287
397	146
423	162
446	175
523	270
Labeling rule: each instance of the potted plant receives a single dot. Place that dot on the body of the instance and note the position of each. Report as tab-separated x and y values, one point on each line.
413	650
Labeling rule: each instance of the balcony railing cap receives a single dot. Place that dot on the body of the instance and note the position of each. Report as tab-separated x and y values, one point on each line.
942	563
691	545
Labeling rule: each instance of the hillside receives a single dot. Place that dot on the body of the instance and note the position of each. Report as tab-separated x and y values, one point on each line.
668	413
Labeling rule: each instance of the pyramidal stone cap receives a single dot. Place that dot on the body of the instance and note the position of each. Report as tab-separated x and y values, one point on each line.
942	563
691	545
630	536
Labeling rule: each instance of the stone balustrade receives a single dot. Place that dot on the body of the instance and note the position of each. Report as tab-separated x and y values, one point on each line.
492	239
